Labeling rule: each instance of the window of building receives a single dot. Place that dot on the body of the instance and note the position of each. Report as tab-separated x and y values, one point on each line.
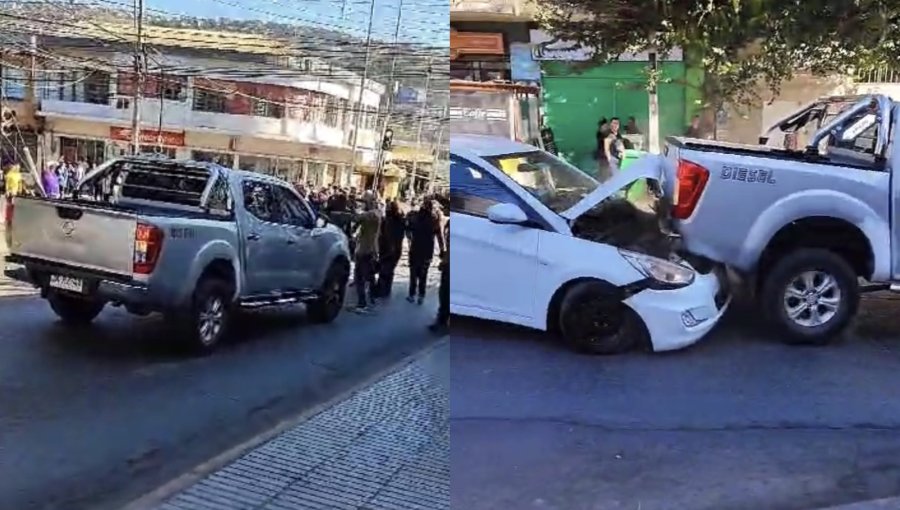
263	108
96	88
14	81
480	69
209	101
220	158
333	111
173	88
370	119
93	152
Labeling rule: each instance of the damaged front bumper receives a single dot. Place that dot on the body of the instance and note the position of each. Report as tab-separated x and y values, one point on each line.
680	317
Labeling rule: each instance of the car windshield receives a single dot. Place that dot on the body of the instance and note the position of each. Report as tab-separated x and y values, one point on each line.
557	184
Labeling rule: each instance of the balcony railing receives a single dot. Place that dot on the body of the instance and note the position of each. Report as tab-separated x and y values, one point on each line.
178	115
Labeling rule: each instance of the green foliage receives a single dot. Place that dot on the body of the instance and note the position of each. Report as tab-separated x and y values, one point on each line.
736	42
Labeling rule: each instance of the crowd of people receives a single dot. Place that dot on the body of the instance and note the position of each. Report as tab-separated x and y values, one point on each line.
58	178
378	230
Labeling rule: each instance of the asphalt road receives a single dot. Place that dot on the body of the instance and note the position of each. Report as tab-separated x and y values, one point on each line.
93	419
739	421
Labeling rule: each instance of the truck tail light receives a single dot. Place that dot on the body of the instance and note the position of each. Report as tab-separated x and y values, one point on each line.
692	179
8	214
148	241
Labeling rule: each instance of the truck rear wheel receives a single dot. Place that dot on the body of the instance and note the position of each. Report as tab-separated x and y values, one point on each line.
74	310
811	294
211	314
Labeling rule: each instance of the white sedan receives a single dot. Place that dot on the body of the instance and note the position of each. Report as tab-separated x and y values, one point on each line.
538	243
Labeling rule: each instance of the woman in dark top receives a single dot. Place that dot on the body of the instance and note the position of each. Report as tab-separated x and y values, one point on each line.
390	247
425	228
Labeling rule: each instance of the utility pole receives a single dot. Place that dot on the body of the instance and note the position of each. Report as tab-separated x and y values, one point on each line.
437	155
139	77
360	109
379	161
422	112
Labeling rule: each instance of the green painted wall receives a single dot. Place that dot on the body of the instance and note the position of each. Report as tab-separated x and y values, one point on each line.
574	102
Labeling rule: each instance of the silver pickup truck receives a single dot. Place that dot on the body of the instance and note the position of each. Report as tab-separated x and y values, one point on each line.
193	241
810	223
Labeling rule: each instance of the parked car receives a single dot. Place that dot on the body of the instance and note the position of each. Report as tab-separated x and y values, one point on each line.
804	226
536	242
194	241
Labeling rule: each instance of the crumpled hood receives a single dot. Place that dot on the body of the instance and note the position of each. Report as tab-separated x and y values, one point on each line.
651	166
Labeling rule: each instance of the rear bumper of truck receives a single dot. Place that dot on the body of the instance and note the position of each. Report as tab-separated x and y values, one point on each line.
107	287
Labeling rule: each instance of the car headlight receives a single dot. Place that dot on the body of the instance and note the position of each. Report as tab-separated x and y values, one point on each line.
662	273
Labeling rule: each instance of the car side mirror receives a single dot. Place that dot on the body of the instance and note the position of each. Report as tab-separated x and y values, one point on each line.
507	214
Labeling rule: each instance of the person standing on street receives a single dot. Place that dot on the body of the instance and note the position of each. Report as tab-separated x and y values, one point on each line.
14	183
424	228
613	148
50	182
390	247
442	324
368	226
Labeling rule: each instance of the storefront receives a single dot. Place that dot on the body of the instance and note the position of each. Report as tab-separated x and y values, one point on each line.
575	99
96	142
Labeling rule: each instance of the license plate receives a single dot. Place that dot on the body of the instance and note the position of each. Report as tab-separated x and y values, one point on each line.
67	283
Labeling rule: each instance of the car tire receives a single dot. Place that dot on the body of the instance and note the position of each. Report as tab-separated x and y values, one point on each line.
210	316
75	311
822	274
593	320
328	305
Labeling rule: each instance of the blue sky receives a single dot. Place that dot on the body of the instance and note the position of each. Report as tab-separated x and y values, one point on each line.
423	21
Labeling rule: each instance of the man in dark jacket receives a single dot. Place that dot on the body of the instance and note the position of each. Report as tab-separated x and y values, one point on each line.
390	247
424	228
442	324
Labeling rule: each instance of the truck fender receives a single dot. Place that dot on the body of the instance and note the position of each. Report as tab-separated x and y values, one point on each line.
822	203
336	252
208	253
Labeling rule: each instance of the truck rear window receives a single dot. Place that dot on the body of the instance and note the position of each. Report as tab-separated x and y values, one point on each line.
164	183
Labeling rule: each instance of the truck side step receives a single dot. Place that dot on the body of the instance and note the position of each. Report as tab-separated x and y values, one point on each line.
276	300
879	287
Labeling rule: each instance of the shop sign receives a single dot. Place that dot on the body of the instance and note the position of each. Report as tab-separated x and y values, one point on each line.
149	136
480	113
523	66
475	43
546	47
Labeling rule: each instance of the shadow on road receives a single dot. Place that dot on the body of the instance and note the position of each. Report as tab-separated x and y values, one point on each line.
743	323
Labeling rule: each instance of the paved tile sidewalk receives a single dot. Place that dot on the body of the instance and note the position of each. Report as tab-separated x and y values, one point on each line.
385	447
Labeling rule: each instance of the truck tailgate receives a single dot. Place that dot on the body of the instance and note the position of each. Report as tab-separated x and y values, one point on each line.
74	234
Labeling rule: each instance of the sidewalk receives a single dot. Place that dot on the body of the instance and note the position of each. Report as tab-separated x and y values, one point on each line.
385	447
877	504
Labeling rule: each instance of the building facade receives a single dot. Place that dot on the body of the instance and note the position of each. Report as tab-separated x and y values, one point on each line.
242	109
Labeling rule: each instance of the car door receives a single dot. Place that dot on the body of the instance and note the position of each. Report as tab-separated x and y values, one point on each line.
266	244
304	256
493	267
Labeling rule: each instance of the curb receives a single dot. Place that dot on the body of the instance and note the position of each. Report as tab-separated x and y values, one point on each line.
160	495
